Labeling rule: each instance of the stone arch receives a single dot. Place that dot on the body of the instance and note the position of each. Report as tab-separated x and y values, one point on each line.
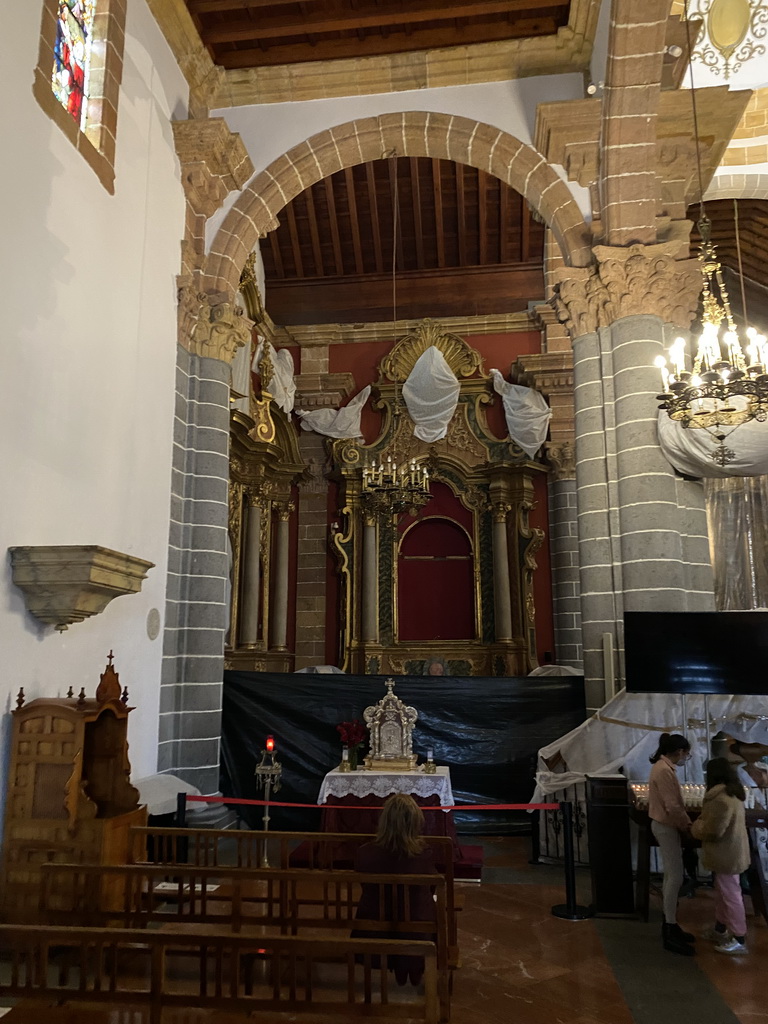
413	133
737	186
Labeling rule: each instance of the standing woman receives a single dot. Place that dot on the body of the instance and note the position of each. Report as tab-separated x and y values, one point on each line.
722	830
669	822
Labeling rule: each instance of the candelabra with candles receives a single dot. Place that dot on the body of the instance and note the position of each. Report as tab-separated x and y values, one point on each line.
726	384
268	774
396	488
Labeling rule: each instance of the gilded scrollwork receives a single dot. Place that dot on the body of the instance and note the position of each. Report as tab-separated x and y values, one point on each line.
463	360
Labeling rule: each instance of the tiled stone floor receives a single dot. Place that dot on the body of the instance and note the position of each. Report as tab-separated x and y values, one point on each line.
520	965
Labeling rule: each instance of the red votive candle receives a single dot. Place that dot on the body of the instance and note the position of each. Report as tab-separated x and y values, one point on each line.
270	744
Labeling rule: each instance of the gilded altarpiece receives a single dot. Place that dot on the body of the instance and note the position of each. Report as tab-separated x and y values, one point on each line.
491	477
264	466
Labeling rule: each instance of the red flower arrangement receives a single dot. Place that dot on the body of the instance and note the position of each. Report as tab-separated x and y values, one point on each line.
352	733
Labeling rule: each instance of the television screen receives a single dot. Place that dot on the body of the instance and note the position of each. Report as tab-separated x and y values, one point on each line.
696	652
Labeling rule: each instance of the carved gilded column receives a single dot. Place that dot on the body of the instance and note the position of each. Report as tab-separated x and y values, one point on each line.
279	610
251	593
370	588
642	530
502	601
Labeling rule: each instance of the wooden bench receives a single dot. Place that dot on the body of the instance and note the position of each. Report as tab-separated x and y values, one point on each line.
317	851
158	969
261	900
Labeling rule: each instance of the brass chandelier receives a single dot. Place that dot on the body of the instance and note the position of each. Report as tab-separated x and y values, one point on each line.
395	486
726	384
721	382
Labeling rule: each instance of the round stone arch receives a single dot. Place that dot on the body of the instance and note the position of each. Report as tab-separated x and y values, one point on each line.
413	133
737	185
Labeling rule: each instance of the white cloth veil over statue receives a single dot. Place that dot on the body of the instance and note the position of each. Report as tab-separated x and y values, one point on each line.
337	422
431	394
282	387
526	412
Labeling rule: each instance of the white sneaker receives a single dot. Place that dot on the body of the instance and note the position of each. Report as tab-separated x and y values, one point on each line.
731	946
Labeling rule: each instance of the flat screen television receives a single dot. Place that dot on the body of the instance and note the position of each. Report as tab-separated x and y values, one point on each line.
696	652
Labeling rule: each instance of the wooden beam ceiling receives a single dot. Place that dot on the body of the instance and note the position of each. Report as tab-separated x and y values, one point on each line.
262	33
463	240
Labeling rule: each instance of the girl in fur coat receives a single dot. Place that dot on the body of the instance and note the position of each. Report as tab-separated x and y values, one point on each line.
725	851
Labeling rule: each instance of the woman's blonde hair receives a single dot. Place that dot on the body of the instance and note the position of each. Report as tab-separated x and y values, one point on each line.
400	826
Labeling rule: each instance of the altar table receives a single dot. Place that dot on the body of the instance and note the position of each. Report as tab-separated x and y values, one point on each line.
343	795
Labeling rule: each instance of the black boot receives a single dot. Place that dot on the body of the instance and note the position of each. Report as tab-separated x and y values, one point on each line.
678	933
672	943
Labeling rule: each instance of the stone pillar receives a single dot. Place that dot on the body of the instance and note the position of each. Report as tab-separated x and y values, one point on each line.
640	526
196	614
279	610
251	568
564	557
370	617
502	601
313	554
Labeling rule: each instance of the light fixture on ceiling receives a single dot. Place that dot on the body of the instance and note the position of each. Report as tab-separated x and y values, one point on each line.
719	379
397	484
733	33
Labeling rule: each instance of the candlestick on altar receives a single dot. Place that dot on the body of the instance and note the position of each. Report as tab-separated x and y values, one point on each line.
268	773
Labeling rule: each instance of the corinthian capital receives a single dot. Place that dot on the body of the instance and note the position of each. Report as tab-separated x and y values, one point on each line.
220	329
628	281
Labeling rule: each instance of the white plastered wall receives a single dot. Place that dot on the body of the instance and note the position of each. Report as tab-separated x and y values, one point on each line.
88	367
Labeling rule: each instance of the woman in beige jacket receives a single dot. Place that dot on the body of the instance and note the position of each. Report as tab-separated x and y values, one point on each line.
725	851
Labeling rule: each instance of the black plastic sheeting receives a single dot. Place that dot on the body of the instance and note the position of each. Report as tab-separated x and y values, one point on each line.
487	730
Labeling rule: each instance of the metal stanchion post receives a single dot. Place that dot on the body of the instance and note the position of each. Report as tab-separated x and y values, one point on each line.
181	810
268	772
570	910
535	838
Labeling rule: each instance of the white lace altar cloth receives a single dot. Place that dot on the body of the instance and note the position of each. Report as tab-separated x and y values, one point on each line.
361	784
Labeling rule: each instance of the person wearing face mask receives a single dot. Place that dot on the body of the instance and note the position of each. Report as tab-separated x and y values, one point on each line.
669	823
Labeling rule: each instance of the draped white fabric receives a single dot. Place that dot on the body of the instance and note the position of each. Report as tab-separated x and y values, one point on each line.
282	387
337	422
241	377
431	394
625	732
526	412
689	449
737	516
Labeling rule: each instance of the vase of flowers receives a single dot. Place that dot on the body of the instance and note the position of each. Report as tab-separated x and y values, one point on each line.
353	735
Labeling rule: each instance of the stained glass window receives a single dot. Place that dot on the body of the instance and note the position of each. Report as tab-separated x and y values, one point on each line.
72	56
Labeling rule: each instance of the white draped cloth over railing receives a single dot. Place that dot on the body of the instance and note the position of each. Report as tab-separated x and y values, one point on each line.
337	422
431	394
526	412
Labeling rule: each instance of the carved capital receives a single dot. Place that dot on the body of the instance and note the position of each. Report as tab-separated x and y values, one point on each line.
628	281
562	459
500	510
219	328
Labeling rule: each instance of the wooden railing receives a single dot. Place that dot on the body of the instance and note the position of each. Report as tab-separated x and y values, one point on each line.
233	972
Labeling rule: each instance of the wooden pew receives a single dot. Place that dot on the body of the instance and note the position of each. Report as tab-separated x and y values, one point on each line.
318	851
158	969
261	900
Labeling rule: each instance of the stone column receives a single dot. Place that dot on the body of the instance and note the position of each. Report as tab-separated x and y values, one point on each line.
251	568
196	615
564	556
279	610
640	526
502	600
370	617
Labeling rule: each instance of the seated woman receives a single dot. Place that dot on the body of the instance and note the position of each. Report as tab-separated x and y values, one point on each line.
398	850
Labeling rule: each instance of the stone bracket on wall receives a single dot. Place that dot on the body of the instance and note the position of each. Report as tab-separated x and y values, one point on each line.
68	583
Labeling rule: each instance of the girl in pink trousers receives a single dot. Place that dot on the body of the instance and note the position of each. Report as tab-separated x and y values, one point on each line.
725	851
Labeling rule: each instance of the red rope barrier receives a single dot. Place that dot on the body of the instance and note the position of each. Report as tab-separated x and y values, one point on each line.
377	807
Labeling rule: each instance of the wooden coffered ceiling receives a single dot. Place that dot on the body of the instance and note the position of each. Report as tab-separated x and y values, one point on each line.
264	33
466	244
